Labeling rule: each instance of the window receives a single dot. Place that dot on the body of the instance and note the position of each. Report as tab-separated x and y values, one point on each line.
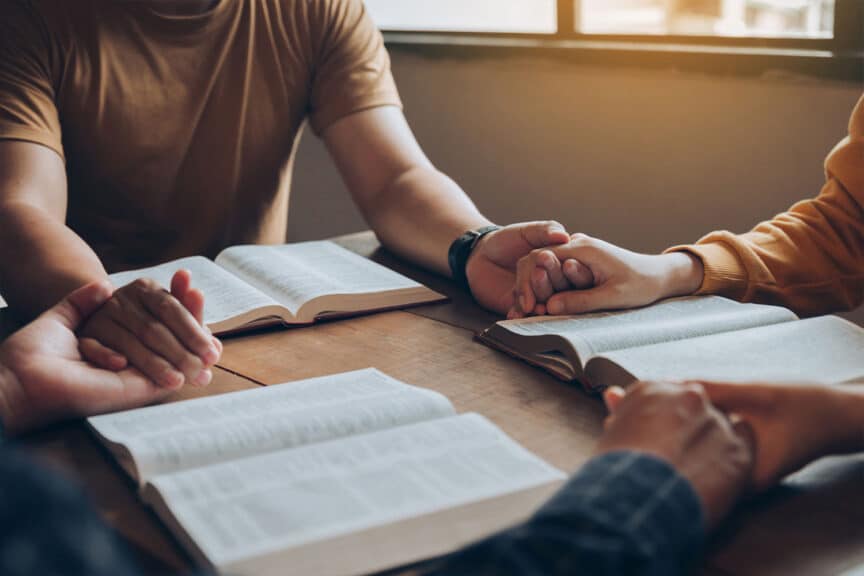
735	18
787	23
517	16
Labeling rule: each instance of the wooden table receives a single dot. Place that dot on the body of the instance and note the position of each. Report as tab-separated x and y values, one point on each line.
811	525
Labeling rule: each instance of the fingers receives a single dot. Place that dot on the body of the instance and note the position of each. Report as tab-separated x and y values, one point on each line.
153	366
731	397
541	285
191	298
168	311
217	344
193	301
523	290
540	234
101	356
80	304
154	332
745	431
181	283
539	275
613	397
577	274
582	301
549	262
160	336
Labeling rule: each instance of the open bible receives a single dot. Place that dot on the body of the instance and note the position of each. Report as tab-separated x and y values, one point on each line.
343	474
693	338
253	286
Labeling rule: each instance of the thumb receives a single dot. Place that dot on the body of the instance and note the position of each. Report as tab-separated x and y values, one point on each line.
80	304
732	396
613	397
744	430
545	233
581	301
578	274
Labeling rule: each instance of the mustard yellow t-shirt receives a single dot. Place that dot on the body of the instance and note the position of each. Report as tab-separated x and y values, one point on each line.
179	132
810	258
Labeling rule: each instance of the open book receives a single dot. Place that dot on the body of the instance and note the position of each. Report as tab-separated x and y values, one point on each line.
344	474
251	286
700	337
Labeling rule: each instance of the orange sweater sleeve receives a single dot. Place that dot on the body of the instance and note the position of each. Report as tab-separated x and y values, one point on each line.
810	258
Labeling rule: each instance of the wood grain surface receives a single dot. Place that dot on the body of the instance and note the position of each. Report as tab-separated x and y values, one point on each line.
813	524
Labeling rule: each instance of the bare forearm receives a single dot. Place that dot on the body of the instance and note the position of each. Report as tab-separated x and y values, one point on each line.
419	215
41	260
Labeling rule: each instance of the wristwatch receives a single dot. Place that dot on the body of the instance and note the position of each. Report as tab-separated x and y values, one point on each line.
460	251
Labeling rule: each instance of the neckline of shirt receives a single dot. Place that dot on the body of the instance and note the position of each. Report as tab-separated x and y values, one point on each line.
189	23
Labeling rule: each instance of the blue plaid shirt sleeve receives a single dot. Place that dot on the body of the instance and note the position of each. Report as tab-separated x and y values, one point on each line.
622	513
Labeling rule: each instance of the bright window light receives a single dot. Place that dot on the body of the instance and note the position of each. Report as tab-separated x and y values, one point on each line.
735	18
519	16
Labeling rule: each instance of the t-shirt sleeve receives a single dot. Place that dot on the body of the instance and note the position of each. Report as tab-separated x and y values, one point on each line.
350	65
27	104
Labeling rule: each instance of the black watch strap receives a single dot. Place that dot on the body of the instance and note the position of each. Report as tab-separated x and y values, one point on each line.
460	251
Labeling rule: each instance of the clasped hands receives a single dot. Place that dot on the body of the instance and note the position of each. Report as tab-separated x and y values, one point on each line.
62	364
538	268
586	274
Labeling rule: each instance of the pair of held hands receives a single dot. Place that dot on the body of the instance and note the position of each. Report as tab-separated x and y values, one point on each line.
45	377
162	335
51	370
585	274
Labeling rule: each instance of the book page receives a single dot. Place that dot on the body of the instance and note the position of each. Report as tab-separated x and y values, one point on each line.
669	320
236	425
820	350
259	505
293	274
225	295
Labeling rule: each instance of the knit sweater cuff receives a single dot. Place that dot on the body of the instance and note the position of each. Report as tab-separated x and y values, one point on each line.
724	272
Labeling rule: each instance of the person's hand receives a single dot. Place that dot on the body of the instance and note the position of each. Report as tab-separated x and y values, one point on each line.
794	424
540	275
44	378
491	268
678	424
601	276
159	333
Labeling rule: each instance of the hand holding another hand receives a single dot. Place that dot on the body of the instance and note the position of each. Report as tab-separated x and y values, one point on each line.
678	424
159	333
793	424
44	376
491	268
588	275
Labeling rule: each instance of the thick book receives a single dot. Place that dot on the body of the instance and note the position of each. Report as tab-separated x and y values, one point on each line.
253	286
345	474
693	338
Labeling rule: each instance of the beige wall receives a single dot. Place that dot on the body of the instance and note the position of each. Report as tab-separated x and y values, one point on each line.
644	158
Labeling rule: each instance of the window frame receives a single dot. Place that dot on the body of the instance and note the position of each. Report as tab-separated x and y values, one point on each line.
838	58
848	33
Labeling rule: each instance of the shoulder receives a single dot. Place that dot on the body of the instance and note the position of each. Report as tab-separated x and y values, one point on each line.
320	14
39	20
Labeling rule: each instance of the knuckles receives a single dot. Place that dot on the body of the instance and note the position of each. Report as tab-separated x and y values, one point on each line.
152	332
165	304
142	285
